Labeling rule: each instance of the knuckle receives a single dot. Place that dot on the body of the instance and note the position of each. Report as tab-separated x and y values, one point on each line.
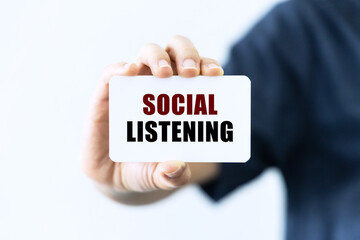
177	41
209	60
178	37
110	67
88	169
190	50
150	50
206	59
107	69
96	173
150	46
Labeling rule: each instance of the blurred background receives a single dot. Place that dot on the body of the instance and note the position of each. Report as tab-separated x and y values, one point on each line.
51	56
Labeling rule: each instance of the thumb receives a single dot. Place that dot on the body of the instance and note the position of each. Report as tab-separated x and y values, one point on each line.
171	174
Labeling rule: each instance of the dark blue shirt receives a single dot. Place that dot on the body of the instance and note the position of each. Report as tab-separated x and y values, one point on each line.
304	62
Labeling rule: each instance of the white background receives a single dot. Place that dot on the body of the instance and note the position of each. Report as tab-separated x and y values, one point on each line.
51	56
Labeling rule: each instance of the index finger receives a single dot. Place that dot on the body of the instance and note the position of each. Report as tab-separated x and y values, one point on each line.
117	69
183	52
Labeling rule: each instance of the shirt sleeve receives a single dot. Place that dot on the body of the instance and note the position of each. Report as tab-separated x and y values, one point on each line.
273	55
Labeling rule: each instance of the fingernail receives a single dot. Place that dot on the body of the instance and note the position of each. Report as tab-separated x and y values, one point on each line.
163	63
189	64
213	65
126	65
177	171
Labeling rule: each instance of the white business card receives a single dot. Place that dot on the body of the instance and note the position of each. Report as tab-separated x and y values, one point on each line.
201	119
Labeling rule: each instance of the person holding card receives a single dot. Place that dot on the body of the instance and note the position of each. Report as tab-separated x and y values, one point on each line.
303	59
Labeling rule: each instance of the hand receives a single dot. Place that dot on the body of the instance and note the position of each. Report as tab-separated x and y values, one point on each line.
180	57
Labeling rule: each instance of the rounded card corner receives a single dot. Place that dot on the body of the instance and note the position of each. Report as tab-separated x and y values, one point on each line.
246	78
111	158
